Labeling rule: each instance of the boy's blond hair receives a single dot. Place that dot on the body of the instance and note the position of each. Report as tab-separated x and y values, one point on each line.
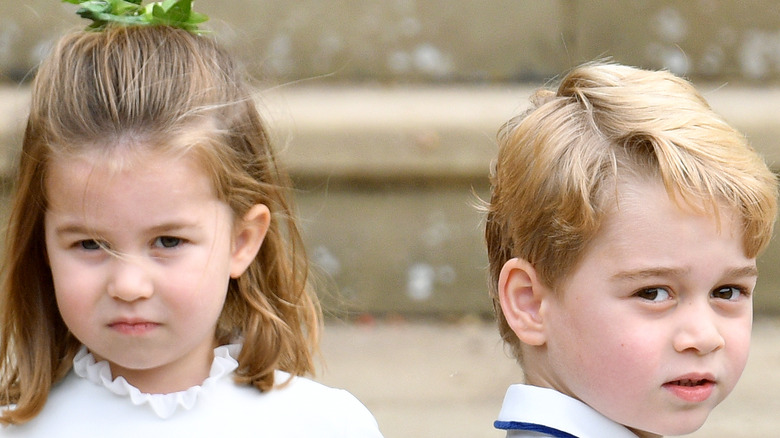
558	164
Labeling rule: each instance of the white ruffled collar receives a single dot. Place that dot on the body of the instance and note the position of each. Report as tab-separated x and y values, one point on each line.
164	405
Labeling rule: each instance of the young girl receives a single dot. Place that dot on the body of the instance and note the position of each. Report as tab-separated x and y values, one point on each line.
154	281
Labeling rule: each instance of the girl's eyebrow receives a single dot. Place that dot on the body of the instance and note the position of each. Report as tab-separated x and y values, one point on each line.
166	227
73	229
171	226
747	271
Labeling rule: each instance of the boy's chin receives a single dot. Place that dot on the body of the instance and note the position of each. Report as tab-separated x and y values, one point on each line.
671	429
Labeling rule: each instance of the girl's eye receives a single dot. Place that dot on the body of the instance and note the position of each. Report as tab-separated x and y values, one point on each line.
90	244
655	294
167	242
730	293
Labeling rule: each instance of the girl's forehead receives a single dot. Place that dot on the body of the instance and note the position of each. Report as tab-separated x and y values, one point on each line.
115	161
89	173
117	157
77	185
195	141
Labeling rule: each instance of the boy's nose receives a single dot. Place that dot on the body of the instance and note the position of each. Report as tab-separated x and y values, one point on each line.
698	332
129	280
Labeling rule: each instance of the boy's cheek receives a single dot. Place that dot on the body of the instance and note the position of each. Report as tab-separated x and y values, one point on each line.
738	346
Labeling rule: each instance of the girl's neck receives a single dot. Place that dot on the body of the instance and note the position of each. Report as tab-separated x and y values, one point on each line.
169	378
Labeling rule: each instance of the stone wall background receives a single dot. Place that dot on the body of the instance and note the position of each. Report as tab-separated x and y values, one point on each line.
430	41
386	112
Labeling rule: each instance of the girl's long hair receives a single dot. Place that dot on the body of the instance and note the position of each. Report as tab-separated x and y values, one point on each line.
163	88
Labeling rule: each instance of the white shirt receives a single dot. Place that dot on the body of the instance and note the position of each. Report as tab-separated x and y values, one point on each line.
89	403
531	412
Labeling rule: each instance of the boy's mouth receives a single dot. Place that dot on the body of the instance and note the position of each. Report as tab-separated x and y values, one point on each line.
691	389
689	382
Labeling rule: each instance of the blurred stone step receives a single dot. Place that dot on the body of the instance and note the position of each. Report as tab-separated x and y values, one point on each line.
388	179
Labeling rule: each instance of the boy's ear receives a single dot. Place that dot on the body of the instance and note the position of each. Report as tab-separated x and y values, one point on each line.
248	236
521	294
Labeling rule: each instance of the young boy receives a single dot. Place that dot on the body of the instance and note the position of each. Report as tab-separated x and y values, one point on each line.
622	232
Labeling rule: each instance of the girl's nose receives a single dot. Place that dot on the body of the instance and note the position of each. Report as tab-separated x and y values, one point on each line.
698	331
129	280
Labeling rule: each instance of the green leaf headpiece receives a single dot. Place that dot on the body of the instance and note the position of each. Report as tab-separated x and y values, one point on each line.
103	13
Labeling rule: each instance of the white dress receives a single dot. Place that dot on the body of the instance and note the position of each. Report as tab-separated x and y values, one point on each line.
88	403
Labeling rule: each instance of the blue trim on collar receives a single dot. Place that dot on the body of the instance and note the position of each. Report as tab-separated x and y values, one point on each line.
518	425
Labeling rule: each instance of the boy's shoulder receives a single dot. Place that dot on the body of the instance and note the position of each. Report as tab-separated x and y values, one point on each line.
545	411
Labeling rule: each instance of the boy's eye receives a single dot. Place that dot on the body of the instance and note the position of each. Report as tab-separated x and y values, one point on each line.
167	242
656	294
730	293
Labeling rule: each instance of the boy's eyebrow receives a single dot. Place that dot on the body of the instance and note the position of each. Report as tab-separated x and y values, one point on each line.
640	274
746	271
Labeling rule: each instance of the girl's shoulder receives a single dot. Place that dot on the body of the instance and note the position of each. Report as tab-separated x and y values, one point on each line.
296	407
312	404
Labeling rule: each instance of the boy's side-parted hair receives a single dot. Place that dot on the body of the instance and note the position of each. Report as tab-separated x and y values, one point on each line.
164	89
559	162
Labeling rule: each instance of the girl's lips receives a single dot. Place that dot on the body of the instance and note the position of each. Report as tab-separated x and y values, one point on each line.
694	389
133	327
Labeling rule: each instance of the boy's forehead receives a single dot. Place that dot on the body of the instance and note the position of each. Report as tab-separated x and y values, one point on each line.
653	236
641	205
631	193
